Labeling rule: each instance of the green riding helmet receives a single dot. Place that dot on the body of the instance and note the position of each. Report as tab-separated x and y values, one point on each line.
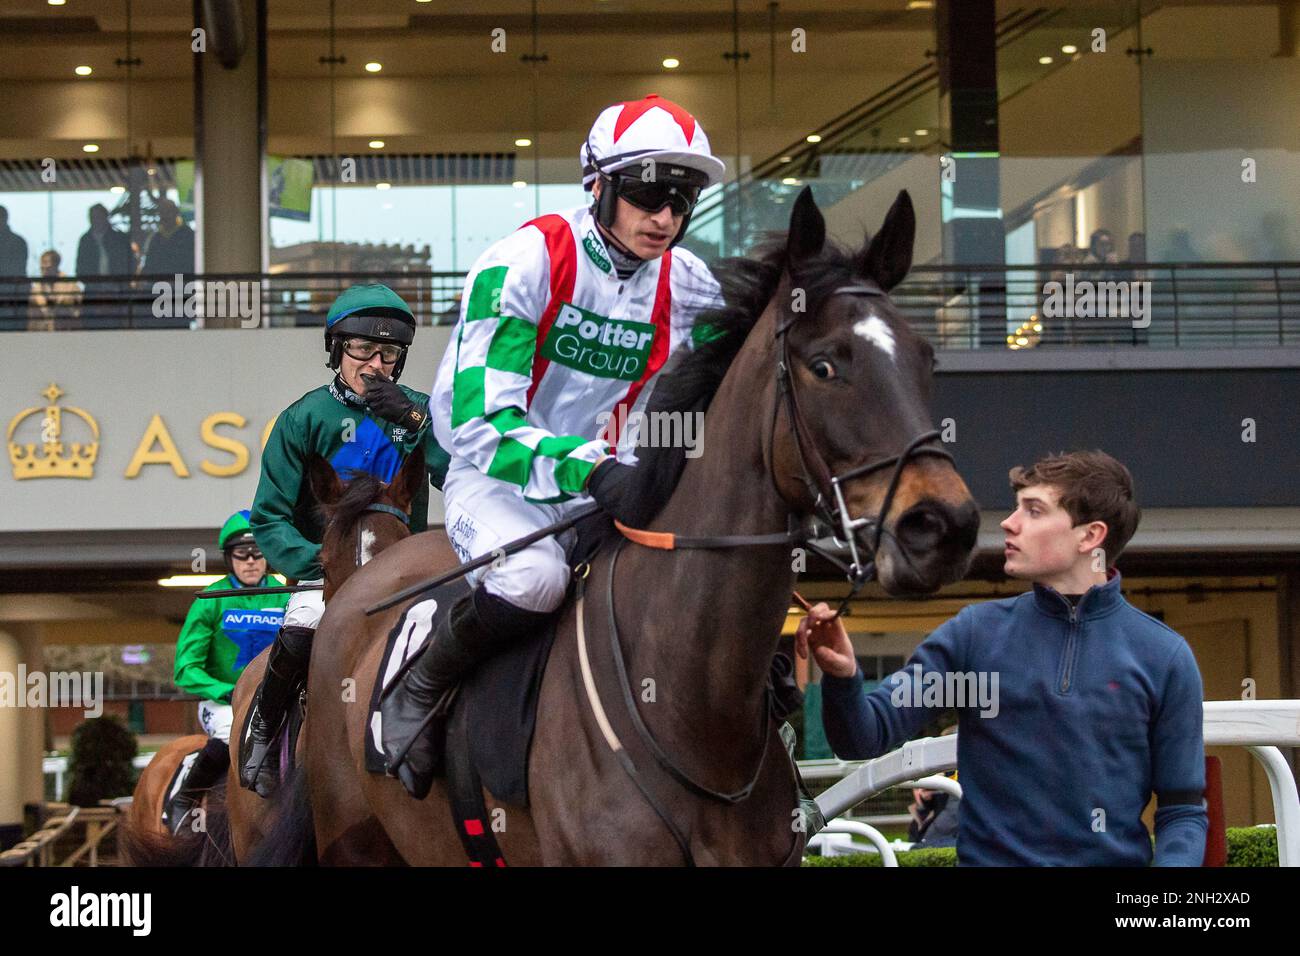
371	311
235	531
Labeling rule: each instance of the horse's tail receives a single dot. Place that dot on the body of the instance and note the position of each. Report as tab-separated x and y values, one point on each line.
291	840
206	845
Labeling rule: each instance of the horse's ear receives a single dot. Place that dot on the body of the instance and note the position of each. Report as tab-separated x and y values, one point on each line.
406	484
326	487
807	230
889	255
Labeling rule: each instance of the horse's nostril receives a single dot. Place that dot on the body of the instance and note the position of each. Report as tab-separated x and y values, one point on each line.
922	527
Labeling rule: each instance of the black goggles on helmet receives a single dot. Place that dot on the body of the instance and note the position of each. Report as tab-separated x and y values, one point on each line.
245	552
654	195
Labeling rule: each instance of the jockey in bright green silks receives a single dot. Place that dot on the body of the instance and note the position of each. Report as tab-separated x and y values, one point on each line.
362	421
219	638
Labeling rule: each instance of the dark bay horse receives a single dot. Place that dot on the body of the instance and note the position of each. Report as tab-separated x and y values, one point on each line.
817	394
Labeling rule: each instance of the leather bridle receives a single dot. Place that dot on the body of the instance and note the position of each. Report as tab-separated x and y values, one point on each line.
827	489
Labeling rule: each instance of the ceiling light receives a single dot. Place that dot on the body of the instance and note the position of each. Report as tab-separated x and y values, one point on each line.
374	67
904	139
383	185
789	181
1044	60
519	184
671	63
376	144
1069	48
523	141
813	138
83	71
117	190
920	4
90	148
56	3
922	132
787	159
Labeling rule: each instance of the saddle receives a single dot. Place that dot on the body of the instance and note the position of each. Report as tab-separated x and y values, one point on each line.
485	738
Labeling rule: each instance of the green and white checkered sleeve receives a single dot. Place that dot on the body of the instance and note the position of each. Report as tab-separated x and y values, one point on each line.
495	346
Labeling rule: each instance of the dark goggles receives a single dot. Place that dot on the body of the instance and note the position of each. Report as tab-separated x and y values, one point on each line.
246	552
653	196
363	350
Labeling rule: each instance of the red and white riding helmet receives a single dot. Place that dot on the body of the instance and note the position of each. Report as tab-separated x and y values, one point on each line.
625	134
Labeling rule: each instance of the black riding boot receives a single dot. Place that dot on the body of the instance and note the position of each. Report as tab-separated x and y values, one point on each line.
476	627
286	670
213	761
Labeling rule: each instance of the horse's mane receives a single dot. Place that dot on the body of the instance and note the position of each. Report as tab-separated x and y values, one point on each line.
363	489
689	382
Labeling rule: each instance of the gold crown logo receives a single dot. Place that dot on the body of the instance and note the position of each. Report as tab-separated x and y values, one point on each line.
77	461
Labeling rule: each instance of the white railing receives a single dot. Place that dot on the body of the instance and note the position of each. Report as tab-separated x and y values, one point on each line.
1261	726
58	766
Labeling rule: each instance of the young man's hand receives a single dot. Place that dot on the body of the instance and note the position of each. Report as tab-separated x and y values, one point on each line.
823	631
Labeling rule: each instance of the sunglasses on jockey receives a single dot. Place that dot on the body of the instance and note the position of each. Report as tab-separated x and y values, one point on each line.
652	196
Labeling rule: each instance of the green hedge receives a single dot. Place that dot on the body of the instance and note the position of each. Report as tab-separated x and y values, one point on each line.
1247	846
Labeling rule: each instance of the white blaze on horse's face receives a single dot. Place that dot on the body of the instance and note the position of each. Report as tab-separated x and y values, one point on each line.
367	545
876	331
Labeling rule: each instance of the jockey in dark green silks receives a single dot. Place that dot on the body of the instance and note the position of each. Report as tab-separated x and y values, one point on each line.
219	638
362	421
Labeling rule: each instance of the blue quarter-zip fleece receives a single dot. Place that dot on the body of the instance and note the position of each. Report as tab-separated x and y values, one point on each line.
1098	706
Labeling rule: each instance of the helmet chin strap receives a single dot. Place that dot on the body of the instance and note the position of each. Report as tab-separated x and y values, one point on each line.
614	241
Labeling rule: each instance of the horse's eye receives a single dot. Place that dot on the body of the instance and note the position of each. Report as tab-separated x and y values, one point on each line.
823	369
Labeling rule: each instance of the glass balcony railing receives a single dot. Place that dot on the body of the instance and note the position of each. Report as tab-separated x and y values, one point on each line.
1111	305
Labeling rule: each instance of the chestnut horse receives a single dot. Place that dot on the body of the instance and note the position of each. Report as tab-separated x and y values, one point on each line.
816	393
237	820
150	794
358	526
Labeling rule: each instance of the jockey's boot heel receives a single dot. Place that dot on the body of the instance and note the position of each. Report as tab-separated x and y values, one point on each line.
212	761
286	670
476	627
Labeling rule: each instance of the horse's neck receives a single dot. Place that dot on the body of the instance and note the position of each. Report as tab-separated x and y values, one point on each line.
707	621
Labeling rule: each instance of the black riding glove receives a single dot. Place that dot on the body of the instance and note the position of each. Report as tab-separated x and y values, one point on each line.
610	484
390	403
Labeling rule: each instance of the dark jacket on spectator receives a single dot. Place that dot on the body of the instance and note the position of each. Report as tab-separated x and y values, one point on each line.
121	261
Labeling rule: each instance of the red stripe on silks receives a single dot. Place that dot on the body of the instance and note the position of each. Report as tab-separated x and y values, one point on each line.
562	251
474	827
500	862
661	316
474	863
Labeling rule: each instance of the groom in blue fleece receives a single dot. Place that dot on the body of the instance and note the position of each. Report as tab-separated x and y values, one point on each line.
1096	705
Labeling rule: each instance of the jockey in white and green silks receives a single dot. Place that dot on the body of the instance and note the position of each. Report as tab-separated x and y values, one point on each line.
564	326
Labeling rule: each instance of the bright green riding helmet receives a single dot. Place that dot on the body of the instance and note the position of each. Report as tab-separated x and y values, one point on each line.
235	531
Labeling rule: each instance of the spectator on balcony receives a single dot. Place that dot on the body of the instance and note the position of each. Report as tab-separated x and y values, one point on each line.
55	300
13	272
1101	247
103	251
170	249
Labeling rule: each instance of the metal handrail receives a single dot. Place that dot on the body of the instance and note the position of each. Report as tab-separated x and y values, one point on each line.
1189	304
